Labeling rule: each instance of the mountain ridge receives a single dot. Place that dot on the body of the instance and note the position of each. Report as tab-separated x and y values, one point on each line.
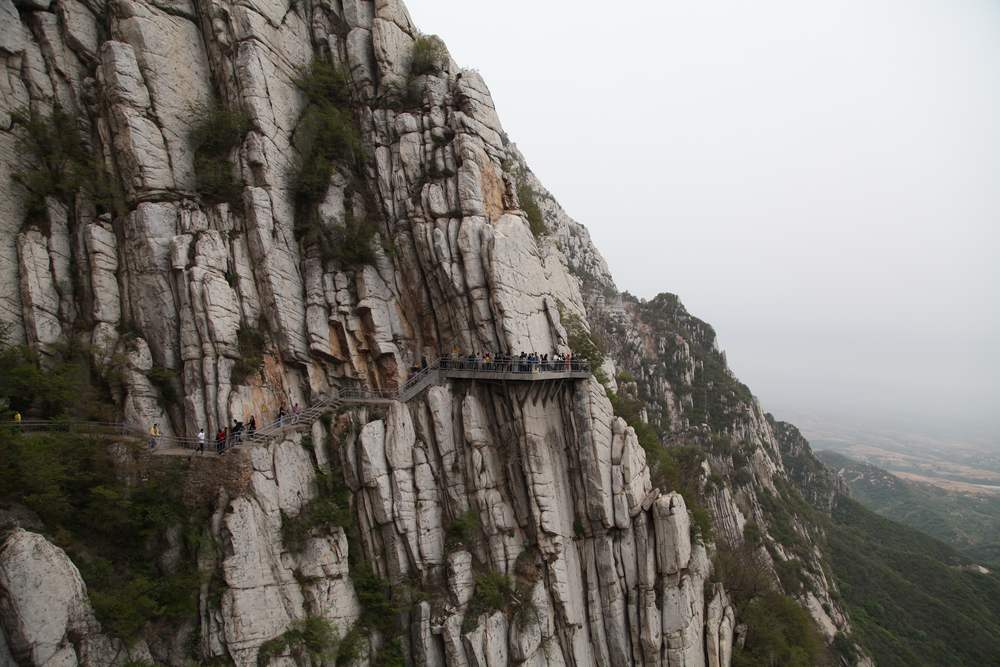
257	204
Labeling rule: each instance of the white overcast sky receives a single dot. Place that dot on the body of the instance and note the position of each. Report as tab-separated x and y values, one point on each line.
818	180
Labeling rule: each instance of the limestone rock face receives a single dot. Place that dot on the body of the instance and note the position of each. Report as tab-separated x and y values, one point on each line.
46	616
262	296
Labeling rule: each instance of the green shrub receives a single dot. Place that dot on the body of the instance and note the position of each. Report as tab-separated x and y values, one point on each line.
216	130
701	519
494	592
330	509
215	179
752	534
112	530
779	632
350	647
351	245
313	637
529	204
323	82
66	387
378	610
430	55
252	344
464	530
327	134
61	163
164	380
582	342
390	654
215	133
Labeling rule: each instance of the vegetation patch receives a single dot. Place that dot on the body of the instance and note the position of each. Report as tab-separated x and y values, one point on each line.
61	163
352	244
327	134
330	509
164	379
312	638
215	133
463	530
584	343
430	55
779	630
252	345
909	600
113	531
529	204
328	140
379	611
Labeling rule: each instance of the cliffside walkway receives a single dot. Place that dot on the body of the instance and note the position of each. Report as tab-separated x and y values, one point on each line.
444	370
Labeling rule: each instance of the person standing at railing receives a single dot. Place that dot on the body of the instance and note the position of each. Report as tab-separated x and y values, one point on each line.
154	435
17	421
201	440
296	411
251	427
281	415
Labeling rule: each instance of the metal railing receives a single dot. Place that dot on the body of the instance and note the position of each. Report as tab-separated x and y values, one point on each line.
462	367
118	429
512	365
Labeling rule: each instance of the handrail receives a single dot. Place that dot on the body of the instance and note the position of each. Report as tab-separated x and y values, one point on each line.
446	365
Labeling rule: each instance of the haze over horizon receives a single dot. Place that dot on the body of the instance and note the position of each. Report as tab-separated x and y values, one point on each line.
815	181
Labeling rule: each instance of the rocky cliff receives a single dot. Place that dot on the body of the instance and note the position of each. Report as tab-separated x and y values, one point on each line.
229	206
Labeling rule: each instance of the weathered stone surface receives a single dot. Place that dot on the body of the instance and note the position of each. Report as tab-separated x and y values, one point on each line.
541	482
140	148
171	56
39	296
673	533
46	616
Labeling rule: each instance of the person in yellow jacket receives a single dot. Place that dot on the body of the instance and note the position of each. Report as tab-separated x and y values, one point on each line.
17	418
154	434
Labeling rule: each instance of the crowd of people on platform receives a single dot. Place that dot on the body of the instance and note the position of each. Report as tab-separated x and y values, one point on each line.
525	362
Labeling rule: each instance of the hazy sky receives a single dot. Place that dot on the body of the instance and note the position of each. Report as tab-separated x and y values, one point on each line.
818	180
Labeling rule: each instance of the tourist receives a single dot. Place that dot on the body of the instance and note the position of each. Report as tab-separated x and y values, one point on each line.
201	440
281	415
154	434
296	411
251	427
237	431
